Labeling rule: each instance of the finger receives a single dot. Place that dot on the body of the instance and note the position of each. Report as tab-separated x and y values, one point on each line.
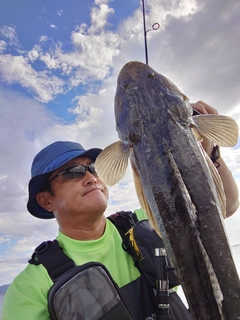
204	108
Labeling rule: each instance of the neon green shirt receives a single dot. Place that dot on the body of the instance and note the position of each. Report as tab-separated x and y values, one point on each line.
26	298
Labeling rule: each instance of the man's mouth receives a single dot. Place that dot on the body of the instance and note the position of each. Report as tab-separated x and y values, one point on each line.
91	190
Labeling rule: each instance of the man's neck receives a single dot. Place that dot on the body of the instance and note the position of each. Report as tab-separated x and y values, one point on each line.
85	231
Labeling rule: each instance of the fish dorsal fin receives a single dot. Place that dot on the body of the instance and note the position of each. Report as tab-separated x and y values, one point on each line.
218	183
222	130
142	199
111	164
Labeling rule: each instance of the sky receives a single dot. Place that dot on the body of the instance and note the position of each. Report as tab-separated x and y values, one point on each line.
59	62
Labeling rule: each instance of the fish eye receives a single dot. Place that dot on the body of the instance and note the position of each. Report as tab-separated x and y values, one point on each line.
151	75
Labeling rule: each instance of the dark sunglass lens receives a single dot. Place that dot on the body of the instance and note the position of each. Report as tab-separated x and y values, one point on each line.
74	172
92	168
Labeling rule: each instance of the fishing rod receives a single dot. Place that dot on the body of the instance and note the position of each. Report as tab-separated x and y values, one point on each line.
162	285
155	26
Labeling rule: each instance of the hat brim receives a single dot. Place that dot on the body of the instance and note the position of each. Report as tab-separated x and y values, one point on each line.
37	182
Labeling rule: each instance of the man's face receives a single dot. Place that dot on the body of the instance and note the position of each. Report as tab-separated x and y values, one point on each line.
87	195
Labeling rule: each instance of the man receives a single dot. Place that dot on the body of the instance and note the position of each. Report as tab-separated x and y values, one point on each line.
64	185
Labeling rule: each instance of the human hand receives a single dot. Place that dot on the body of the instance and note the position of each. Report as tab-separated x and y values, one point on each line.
205	108
229	184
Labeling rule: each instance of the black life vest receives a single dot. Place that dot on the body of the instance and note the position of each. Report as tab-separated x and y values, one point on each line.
89	292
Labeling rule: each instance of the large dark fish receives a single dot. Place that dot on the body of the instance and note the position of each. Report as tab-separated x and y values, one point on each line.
177	184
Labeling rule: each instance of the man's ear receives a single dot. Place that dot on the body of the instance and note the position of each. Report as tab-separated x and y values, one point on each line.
44	200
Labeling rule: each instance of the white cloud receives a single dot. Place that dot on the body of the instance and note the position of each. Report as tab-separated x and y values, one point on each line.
96	49
99	16
53	26
43	39
91	58
93	49
50	62
9	33
3	46
16	69
4	239
99	2
60	12
200	57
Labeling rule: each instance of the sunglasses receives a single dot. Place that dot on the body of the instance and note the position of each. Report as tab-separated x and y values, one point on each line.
75	172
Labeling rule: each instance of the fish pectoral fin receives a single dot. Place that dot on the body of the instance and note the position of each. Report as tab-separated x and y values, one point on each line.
142	199
222	130
111	163
218	184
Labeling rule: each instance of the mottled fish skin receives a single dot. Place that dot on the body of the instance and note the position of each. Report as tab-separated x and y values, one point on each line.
154	121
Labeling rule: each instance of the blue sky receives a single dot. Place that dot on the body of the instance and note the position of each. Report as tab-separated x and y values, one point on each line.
59	62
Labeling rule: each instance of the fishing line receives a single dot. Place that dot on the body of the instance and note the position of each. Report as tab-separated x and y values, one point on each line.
178	64
154	27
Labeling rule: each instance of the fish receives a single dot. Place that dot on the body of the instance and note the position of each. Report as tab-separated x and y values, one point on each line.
176	183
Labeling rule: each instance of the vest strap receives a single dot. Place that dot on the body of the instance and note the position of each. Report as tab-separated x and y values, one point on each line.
56	263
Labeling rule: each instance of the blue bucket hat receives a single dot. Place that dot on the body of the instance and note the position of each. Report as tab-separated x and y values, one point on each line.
46	161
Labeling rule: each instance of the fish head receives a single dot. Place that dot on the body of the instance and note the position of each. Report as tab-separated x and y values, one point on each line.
144	95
